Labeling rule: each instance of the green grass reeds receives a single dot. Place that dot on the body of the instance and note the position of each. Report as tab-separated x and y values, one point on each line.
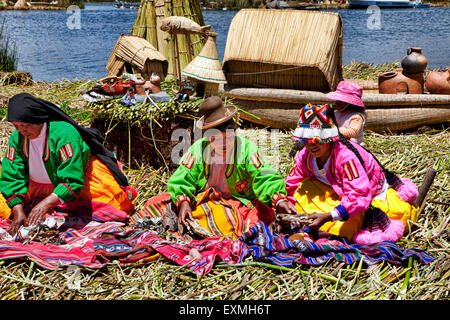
8	51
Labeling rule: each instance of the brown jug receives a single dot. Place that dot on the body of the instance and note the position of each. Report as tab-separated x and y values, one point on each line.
438	82
397	82
414	61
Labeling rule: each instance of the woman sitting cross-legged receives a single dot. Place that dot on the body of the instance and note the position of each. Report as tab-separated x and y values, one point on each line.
52	158
343	186
223	182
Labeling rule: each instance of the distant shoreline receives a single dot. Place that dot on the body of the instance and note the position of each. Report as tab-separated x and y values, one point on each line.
305	4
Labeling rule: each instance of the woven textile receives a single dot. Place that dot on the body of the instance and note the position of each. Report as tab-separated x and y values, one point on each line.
221	217
197	255
314	125
263	245
83	241
77	248
80	223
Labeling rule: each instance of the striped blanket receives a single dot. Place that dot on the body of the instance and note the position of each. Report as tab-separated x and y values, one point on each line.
264	245
80	224
197	255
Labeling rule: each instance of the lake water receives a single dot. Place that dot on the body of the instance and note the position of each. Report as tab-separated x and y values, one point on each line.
50	48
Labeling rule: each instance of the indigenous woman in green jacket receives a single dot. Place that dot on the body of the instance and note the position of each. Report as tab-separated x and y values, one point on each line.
223	181
51	158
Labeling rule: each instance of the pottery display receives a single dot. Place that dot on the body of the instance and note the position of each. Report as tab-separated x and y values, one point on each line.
414	61
438	82
399	82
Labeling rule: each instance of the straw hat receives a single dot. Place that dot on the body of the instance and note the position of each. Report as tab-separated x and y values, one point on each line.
348	92
206	66
315	125
214	113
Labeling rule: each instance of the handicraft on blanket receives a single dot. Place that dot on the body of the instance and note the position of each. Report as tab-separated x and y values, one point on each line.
101	235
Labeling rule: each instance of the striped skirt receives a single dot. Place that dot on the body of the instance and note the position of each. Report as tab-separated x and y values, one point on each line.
222	217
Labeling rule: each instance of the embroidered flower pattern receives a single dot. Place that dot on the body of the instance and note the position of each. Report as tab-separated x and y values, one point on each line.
241	186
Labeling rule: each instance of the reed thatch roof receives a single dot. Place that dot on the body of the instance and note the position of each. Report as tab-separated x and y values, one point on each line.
290	49
206	66
139	54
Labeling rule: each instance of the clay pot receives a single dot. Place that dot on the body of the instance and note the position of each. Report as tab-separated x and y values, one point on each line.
155	83
414	61
438	82
398	82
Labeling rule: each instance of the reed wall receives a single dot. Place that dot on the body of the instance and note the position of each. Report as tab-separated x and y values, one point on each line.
284	49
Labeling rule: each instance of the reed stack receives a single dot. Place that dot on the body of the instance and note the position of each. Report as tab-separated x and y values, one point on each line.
148	25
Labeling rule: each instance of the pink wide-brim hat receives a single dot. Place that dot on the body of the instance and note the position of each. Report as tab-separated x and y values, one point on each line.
349	92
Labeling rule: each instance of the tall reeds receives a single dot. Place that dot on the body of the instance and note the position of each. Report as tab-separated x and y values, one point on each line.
148	22
8	51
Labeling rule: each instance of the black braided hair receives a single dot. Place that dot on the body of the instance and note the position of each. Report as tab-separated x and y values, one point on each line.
352	148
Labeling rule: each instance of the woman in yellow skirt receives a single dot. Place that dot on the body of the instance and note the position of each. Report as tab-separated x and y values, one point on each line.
343	186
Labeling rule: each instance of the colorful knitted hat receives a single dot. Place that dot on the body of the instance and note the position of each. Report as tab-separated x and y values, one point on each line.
314	125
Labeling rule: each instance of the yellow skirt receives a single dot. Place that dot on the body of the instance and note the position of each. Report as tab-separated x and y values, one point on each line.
314	196
100	185
228	217
217	215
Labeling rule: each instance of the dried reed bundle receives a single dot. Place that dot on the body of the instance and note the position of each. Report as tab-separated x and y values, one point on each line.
148	25
136	50
279	108
139	53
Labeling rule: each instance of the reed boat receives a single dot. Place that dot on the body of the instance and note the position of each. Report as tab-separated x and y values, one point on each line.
276	61
280	108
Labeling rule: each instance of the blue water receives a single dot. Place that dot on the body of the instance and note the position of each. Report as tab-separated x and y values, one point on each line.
51	51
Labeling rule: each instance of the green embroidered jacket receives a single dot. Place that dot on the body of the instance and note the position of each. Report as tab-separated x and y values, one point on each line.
65	158
248	176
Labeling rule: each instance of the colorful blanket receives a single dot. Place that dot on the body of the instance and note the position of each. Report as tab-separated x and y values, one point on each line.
264	245
197	255
101	235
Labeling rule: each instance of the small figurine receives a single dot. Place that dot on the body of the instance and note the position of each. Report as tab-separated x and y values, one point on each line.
186	91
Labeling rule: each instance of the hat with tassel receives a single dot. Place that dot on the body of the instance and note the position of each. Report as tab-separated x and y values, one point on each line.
315	125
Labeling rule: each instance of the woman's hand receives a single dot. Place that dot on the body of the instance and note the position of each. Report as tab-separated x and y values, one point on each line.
41	209
285	207
185	213
17	220
318	219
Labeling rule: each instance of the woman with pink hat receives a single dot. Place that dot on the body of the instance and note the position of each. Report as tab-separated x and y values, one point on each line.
349	111
343	187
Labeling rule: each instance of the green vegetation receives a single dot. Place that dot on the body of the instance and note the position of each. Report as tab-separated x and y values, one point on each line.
8	51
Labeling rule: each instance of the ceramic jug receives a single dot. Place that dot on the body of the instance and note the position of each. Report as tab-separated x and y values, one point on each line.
438	82
398	82
414	61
